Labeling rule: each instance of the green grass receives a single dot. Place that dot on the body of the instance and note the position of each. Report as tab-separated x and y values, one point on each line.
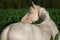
8	16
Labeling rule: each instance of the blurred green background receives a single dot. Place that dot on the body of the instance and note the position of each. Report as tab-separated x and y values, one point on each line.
11	11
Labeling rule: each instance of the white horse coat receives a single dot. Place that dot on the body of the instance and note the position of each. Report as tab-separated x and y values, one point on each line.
26	31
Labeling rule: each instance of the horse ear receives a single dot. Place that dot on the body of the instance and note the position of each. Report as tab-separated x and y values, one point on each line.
26	18
33	5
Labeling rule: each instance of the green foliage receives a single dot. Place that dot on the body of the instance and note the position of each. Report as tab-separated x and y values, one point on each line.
57	36
51	37
8	16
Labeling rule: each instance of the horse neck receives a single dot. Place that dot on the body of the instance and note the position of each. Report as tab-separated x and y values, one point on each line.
47	21
45	17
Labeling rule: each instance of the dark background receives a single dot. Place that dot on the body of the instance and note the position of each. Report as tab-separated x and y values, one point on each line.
27	3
